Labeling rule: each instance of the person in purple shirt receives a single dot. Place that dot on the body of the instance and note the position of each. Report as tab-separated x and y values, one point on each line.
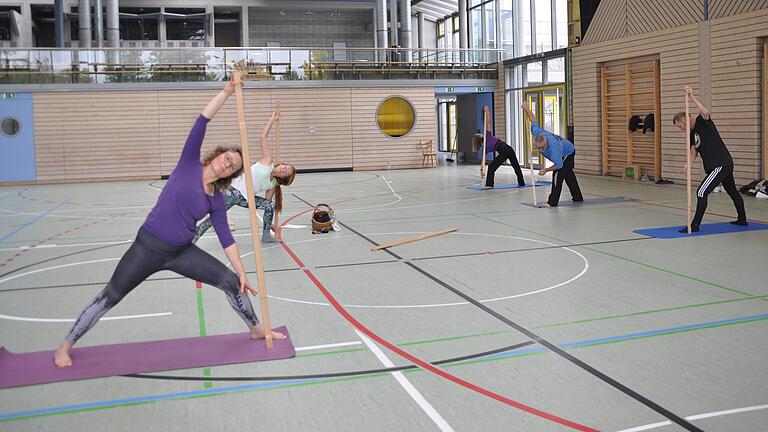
164	241
561	153
502	151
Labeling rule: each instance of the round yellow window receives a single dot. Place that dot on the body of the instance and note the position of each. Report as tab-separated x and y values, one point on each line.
395	116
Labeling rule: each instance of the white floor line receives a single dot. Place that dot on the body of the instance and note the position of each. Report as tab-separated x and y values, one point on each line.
697	417
58	320
333	345
49	246
403	381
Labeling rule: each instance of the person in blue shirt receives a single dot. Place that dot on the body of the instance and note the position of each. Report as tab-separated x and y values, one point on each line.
561	153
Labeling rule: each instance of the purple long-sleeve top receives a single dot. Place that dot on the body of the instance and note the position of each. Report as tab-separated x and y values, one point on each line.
184	201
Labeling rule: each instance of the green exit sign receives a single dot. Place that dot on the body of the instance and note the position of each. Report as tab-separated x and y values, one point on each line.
9	95
479	89
449	89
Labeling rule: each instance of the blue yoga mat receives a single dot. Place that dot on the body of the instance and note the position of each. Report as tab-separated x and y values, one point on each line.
508	185
705	229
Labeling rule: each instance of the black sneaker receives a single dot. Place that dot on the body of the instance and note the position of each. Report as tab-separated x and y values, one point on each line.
740	222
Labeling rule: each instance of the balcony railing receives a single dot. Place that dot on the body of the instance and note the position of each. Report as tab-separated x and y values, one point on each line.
119	65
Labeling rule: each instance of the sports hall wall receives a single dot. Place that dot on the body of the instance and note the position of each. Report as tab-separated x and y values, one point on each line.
91	135
722	59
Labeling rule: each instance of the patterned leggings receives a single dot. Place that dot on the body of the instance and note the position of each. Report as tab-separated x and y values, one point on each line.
233	197
148	255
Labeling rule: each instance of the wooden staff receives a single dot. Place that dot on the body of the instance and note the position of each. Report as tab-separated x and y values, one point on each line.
252	208
276	220
530	161
485	133
413	239
688	158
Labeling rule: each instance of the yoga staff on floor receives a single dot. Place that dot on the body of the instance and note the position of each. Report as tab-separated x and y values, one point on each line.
164	240
266	177
718	163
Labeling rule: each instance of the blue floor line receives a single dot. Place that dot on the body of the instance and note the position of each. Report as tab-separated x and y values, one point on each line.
37	218
222	390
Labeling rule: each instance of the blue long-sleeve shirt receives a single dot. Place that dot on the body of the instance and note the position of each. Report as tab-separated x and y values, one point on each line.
558	148
184	201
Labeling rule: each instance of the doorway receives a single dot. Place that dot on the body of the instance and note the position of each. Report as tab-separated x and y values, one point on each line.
548	107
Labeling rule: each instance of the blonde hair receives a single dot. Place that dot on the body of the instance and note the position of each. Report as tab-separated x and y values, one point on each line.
223	183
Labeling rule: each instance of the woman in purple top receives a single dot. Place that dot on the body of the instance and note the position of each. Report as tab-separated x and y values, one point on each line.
502	151
164	241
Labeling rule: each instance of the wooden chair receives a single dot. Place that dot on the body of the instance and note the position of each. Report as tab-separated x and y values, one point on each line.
429	156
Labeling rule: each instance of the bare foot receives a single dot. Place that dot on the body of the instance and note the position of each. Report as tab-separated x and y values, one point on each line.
257	332
61	357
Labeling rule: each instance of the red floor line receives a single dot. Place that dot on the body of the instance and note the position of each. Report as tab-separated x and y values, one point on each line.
425	365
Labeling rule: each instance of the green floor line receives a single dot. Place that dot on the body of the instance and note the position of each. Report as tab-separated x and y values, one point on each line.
360	377
630	260
203	332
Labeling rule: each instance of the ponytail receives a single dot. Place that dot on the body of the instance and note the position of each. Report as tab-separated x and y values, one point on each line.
285	181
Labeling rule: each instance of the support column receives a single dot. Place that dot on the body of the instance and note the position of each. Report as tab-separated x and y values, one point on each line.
244	27
162	29
210	33
58	22
99	17
463	29
85	23
420	30
405	30
393	22
381	27
113	24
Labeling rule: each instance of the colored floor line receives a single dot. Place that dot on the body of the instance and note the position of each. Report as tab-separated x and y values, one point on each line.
633	261
424	365
201	321
552	347
72	409
33	221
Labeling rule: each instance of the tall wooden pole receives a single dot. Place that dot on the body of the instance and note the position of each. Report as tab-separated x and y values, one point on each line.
252	208
485	134
276	220
688	158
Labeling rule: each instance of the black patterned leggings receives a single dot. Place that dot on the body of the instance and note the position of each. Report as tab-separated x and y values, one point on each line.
233	197
148	255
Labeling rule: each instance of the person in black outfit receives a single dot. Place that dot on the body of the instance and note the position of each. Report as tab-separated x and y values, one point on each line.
718	164
502	151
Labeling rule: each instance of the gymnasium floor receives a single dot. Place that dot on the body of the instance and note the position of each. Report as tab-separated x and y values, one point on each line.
542	319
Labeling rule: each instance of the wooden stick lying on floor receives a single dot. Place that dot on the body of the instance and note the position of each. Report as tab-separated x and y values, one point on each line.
413	239
252	209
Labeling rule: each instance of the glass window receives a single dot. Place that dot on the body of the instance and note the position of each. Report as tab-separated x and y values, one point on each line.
455	23
440	29
507	26
533	75
5	27
524	29
10	126
476	24
490	24
556	71
190	25
543	14
134	26
395	117
561	15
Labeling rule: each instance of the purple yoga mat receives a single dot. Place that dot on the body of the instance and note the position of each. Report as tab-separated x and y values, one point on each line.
127	358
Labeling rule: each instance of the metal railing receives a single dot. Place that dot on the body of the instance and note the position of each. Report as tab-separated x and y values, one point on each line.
121	65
